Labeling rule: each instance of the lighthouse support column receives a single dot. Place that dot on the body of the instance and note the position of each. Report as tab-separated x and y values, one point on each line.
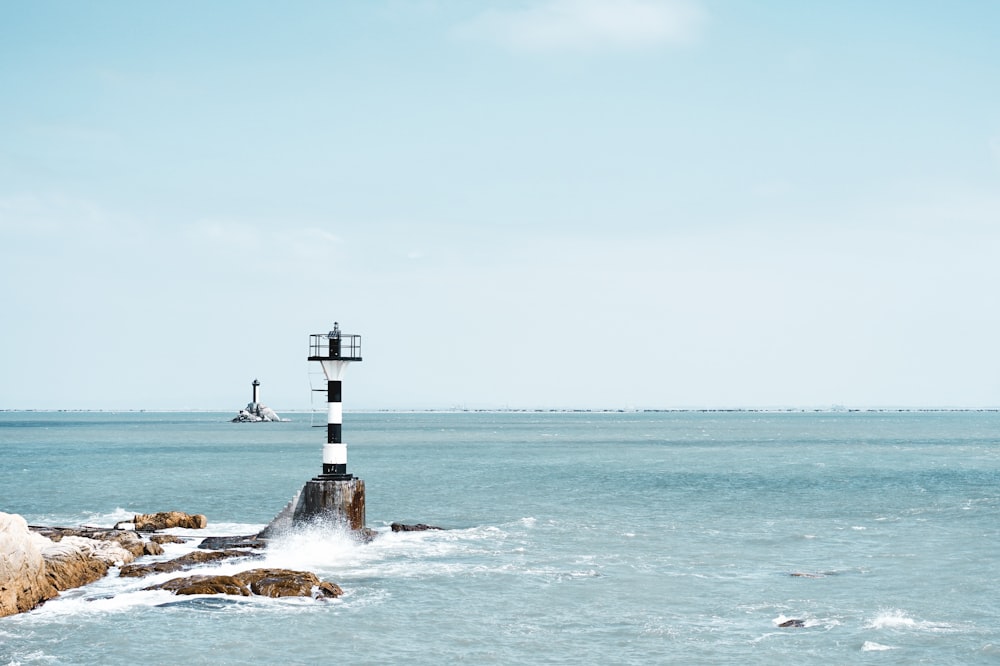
334	451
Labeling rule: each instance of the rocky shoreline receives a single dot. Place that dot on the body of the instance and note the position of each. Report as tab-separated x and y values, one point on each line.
38	562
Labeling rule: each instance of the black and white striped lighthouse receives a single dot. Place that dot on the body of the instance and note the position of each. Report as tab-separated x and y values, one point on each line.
334	351
334	497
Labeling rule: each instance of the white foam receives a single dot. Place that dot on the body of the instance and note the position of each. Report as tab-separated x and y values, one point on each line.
872	646
33	657
119	515
315	547
898	619
216	529
893	619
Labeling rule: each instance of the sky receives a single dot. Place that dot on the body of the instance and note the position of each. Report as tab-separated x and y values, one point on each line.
528	204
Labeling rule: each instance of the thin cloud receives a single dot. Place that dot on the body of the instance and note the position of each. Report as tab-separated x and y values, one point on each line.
584	25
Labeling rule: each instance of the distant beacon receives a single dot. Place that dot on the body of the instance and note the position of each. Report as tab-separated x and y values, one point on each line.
334	351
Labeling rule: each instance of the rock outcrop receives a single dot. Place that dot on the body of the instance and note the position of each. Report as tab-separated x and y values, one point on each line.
76	561
257	412
184	562
36	563
204	585
224	542
23	583
262	582
151	522
419	527
287	583
128	540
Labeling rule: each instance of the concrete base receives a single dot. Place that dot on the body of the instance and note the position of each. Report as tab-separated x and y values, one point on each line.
340	502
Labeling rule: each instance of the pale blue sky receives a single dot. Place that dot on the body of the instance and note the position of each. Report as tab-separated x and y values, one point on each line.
541	203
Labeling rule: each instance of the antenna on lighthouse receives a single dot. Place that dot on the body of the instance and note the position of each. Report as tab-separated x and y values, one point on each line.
334	351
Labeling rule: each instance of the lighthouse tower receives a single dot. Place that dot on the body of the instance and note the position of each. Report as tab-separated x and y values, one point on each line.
334	497
334	351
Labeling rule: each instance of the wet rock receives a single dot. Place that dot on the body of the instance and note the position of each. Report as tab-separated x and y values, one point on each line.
217	542
151	522
128	540
75	561
288	583
23	583
184	562
70	568
419	527
166	538
792	623
365	534
204	604
262	582
204	585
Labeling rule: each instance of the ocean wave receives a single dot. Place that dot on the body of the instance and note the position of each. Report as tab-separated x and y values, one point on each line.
898	619
872	646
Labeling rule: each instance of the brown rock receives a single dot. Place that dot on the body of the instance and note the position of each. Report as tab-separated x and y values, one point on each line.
74	568
264	582
204	585
152	548
184	562
75	561
288	583
166	538
151	522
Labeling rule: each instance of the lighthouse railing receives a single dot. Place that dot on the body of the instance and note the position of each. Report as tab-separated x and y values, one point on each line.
346	346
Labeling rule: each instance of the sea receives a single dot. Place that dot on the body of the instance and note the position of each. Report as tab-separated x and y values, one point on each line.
674	537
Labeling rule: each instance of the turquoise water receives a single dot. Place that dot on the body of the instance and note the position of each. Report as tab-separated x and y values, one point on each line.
619	538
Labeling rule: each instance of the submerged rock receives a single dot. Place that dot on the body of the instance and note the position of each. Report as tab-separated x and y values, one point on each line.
419	527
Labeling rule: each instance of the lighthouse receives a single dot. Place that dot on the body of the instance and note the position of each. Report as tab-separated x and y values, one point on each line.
334	351
335	496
